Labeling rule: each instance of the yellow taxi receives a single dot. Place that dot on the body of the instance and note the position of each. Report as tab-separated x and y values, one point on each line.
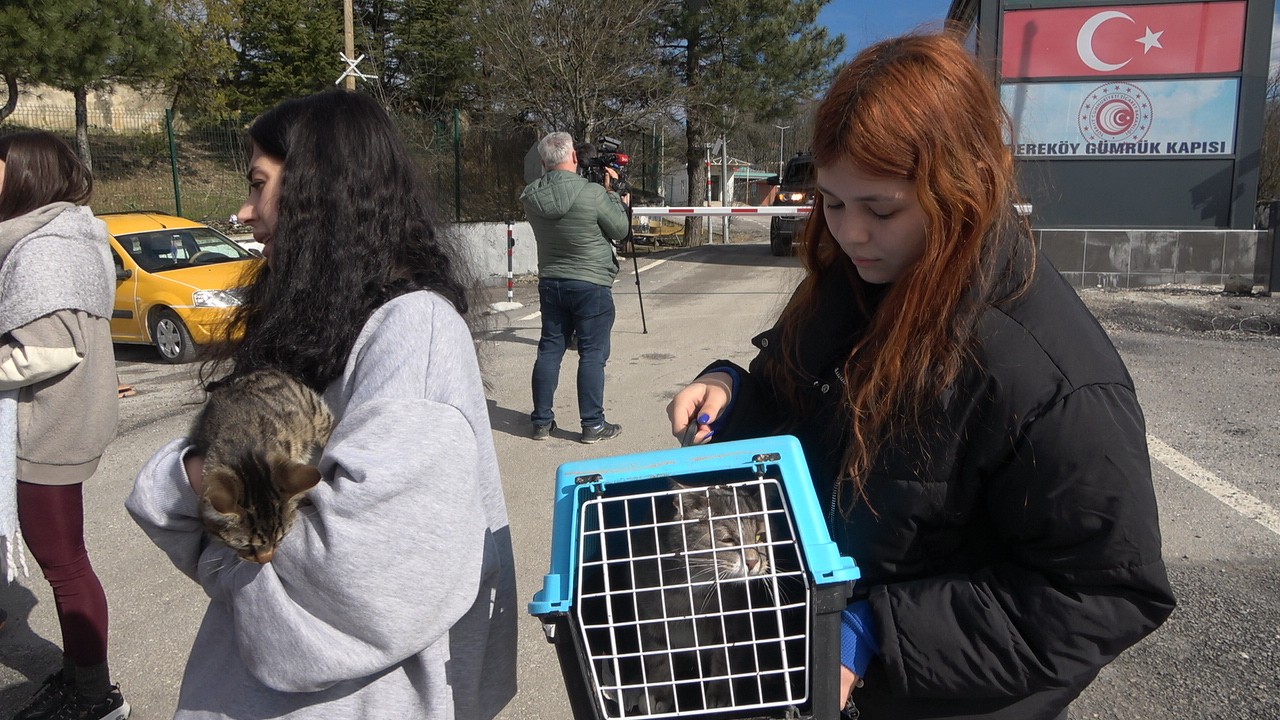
177	281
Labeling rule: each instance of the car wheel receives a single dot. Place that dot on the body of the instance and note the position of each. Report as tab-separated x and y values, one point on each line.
778	246
171	337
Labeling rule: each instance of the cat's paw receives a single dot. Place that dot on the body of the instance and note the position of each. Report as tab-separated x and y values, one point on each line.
652	701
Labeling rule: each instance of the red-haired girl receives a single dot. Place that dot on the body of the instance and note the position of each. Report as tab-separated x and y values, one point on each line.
970	427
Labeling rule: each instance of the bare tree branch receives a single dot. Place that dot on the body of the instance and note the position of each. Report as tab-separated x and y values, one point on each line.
568	65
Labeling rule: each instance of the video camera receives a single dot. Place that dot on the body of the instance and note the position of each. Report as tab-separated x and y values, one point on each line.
593	160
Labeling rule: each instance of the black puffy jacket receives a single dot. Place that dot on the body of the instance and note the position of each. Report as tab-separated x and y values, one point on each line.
1019	552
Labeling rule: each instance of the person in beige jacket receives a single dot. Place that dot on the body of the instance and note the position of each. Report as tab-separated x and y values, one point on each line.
58	403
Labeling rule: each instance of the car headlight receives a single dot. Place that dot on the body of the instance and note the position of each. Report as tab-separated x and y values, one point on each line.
214	298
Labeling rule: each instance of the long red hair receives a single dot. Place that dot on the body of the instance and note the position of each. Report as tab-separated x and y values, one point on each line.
917	108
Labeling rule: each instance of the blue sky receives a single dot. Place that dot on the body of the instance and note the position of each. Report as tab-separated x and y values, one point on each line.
865	21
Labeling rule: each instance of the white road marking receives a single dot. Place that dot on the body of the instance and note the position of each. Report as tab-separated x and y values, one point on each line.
1230	495
650	266
616	280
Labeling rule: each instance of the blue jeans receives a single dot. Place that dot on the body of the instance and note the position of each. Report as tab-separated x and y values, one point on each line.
584	310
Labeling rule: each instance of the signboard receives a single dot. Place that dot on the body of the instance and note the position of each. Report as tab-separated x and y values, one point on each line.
1123	118
1123	40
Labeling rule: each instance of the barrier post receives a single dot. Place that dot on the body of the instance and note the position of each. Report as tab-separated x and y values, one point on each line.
725	186
707	198
510	303
511	249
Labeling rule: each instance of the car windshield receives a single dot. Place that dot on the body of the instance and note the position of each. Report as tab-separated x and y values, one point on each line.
162	250
799	172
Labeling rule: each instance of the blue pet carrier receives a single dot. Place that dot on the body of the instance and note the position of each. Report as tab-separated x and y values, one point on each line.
699	581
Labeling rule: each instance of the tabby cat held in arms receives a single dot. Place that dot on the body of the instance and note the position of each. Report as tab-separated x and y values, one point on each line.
261	434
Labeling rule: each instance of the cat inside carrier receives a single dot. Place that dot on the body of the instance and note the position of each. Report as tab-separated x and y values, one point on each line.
699	581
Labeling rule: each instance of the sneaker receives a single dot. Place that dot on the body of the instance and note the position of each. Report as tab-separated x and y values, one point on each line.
111	707
542	432
55	693
603	431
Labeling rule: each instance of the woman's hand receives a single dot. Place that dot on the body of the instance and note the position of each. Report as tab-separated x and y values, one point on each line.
194	465
847	681
698	405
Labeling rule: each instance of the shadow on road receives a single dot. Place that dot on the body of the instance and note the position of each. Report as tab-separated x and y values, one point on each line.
509	334
736	254
515	422
138	354
21	650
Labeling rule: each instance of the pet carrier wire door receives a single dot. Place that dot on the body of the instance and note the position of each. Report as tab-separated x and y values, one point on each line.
698	581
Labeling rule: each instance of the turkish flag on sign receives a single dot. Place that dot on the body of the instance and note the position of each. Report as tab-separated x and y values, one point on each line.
1123	40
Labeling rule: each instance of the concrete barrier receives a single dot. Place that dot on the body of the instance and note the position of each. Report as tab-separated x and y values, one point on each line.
486	244
1145	257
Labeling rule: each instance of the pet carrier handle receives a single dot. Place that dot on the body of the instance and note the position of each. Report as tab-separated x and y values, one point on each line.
579	481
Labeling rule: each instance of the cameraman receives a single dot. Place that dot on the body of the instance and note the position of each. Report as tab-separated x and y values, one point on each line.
573	221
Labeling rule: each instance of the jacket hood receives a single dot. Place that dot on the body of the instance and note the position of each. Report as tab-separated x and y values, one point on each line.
553	194
15	229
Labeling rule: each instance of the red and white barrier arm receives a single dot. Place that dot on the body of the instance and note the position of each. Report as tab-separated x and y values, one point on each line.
1020	208
721	211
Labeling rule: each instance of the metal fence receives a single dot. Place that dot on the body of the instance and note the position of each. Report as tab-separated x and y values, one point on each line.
196	168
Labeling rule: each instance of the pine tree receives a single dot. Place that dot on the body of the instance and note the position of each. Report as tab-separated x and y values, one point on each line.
84	48
20	45
422	50
763	57
287	48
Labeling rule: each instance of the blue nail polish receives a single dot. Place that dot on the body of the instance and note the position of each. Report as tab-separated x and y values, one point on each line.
704	418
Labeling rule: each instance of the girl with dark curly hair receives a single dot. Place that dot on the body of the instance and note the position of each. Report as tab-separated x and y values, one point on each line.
394	593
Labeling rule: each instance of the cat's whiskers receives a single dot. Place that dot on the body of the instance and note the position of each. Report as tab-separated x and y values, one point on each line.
221	563
769	590
701	566
706	601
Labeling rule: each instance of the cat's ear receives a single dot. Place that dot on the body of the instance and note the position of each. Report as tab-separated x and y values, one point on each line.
219	491
693	502
298	479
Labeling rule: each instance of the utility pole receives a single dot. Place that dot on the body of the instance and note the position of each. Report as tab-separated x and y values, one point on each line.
349	36
781	145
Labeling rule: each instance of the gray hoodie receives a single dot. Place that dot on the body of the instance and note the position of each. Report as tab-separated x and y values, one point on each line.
571	219
394	594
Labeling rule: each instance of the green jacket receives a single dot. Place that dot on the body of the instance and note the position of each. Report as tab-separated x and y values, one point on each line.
571	219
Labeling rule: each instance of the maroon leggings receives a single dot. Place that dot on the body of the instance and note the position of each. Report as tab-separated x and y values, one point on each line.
52	519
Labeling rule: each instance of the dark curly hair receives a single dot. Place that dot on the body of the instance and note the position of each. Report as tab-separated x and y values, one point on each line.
354	229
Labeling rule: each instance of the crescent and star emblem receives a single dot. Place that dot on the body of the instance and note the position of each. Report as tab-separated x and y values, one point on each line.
1084	41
